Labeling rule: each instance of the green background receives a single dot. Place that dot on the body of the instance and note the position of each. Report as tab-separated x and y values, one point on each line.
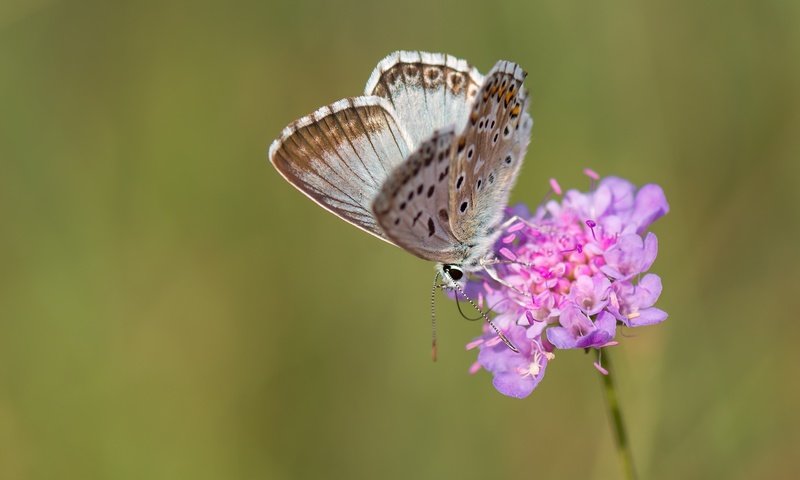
171	308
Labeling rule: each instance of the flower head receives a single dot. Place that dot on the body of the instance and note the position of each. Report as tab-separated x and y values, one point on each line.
567	276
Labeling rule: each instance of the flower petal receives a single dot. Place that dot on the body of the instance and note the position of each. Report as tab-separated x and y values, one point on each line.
648	316
622	193
648	289
650	252
606	323
651	204
612	225
601	200
512	384
625	259
561	338
596	339
611	271
535	330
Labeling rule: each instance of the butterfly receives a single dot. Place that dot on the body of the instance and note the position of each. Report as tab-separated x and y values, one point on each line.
425	159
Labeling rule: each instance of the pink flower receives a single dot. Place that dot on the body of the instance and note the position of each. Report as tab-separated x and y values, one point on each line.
568	278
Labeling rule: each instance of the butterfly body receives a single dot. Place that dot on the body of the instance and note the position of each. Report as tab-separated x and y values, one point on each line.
424	160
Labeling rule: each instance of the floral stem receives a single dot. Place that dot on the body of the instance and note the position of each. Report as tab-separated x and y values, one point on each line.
615	417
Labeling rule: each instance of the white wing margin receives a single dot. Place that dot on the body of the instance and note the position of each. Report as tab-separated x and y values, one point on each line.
428	91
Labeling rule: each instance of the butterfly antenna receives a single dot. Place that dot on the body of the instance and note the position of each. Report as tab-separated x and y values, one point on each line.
433	316
485	317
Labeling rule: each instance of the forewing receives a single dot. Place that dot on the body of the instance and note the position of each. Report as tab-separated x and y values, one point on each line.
340	156
489	153
429	91
412	207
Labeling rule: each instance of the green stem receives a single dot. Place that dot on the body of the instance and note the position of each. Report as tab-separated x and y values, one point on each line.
615	417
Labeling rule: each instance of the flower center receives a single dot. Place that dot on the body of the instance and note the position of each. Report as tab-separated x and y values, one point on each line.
587	303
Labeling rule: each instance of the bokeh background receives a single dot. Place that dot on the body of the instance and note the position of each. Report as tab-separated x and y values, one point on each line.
171	308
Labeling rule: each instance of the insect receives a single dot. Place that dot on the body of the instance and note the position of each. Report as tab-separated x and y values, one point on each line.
425	159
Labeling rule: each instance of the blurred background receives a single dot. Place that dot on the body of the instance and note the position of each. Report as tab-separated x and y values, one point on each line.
171	308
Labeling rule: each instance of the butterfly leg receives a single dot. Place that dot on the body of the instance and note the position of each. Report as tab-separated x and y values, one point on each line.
488	263
514	219
488	266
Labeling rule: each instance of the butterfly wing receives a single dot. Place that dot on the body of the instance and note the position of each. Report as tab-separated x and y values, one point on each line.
489	153
340	156
428	91
412	206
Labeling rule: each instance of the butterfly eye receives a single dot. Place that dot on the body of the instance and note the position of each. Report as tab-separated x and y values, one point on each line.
454	272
